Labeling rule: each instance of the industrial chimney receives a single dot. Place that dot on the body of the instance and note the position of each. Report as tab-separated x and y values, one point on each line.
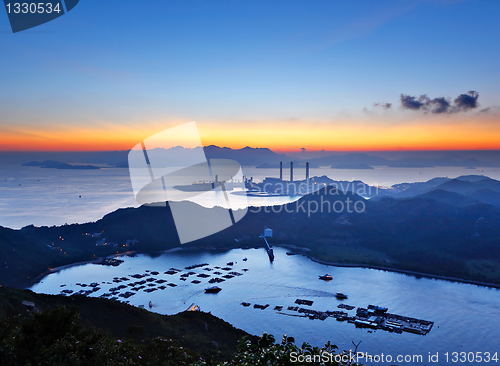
307	177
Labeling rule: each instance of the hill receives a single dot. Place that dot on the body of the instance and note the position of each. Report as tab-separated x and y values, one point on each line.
437	233
451	198
200	332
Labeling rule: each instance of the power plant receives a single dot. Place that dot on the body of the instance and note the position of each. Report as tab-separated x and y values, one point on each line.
282	187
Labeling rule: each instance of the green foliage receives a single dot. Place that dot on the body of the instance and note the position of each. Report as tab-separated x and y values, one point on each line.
267	352
57	337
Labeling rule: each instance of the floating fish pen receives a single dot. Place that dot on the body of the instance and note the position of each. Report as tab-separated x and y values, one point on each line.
203	275
111	262
216	280
196	266
304	302
344	306
374	318
195	281
127	294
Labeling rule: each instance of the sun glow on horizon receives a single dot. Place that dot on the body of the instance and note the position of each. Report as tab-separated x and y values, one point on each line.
314	136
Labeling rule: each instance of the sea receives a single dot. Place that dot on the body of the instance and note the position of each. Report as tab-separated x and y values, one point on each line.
466	317
46	197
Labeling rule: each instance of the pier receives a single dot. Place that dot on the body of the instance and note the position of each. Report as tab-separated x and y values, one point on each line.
269	250
373	317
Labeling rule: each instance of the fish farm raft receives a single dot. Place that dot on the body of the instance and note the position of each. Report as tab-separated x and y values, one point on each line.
373	317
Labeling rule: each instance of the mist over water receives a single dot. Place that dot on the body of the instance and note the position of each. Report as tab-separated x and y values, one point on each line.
47	197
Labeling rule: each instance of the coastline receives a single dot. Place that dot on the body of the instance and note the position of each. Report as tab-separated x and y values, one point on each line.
403	271
296	250
98	260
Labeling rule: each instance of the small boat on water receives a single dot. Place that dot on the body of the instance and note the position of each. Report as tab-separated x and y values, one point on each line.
245	259
340	296
150	304
326	277
212	290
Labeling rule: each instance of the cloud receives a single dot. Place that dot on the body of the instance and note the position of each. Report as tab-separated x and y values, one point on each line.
439	105
383	105
467	101
409	102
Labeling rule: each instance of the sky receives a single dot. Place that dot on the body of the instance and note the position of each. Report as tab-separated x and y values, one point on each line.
315	74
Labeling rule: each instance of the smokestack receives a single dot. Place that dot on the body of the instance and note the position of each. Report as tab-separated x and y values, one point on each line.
291	171
281	170
307	177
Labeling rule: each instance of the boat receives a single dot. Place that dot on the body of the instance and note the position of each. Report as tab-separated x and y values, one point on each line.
212	290
326	277
340	296
204	186
245	259
150	304
378	309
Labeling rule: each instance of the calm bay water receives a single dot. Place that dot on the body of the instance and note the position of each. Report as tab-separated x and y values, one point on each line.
466	317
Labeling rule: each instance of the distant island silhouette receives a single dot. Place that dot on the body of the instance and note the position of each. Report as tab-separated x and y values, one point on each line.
59	165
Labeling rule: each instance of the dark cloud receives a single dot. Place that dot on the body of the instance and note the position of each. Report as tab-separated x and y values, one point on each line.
462	103
409	102
383	105
439	105
467	101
